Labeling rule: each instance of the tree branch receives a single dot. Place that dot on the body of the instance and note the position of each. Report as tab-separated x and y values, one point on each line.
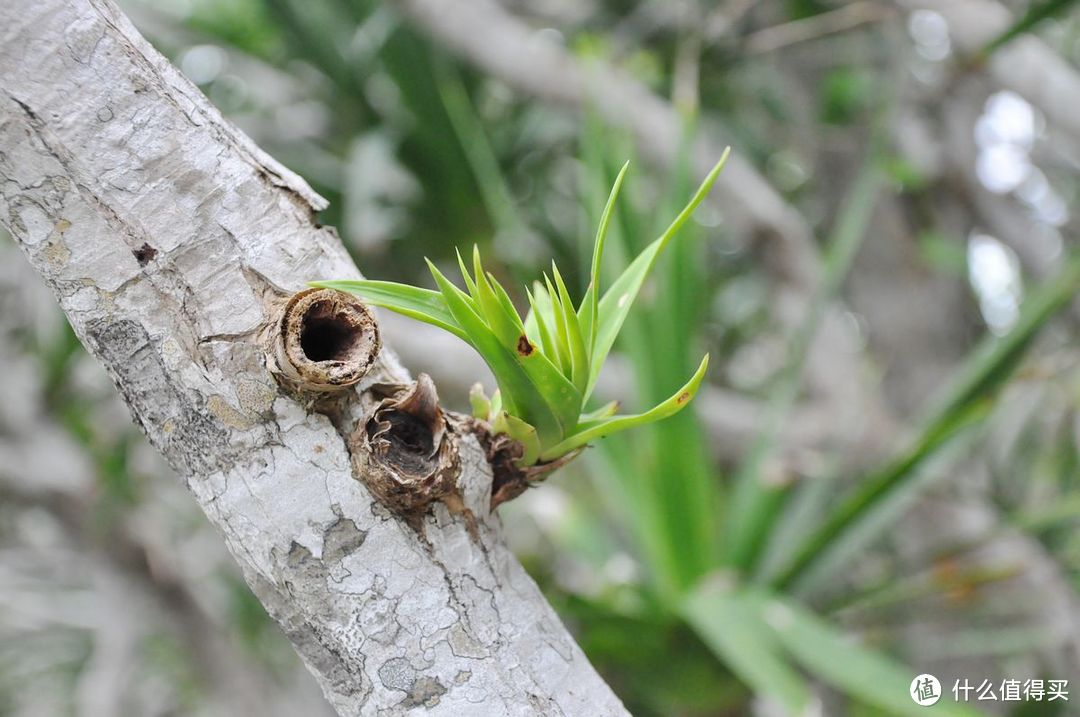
832	22
171	241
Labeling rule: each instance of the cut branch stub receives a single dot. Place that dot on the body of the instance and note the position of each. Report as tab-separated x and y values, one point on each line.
324	340
404	448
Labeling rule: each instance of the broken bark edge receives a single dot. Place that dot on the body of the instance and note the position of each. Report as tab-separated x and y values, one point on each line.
323	340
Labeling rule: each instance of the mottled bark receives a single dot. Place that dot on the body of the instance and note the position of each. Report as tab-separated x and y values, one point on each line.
172	243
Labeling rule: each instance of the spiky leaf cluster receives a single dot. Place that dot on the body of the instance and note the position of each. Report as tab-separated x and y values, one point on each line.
546	364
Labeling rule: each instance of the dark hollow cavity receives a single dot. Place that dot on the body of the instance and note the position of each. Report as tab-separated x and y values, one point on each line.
410	445
329	336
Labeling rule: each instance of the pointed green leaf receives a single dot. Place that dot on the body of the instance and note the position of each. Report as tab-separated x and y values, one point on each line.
538	328
469	283
452	288
616	302
521	396
605	411
541	305
587	317
599	428
506	303
579	355
559	331
533	388
590	304
421	304
505	323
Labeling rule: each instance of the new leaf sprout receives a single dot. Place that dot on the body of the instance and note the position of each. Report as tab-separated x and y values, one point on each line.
546	364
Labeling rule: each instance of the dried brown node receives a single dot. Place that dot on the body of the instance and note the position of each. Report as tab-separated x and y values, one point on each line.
405	449
324	340
509	480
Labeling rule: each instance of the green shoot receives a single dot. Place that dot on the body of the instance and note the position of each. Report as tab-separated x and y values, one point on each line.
546	364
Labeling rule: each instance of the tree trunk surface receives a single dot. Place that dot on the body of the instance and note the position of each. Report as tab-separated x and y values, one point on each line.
171	242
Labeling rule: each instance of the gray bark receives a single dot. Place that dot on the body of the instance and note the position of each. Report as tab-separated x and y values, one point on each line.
169	240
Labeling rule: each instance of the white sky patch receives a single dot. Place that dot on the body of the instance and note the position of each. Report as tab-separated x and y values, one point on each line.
1002	167
931	35
1007	118
1005	134
994	273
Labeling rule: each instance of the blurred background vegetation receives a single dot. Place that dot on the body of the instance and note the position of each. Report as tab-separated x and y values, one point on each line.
881	477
